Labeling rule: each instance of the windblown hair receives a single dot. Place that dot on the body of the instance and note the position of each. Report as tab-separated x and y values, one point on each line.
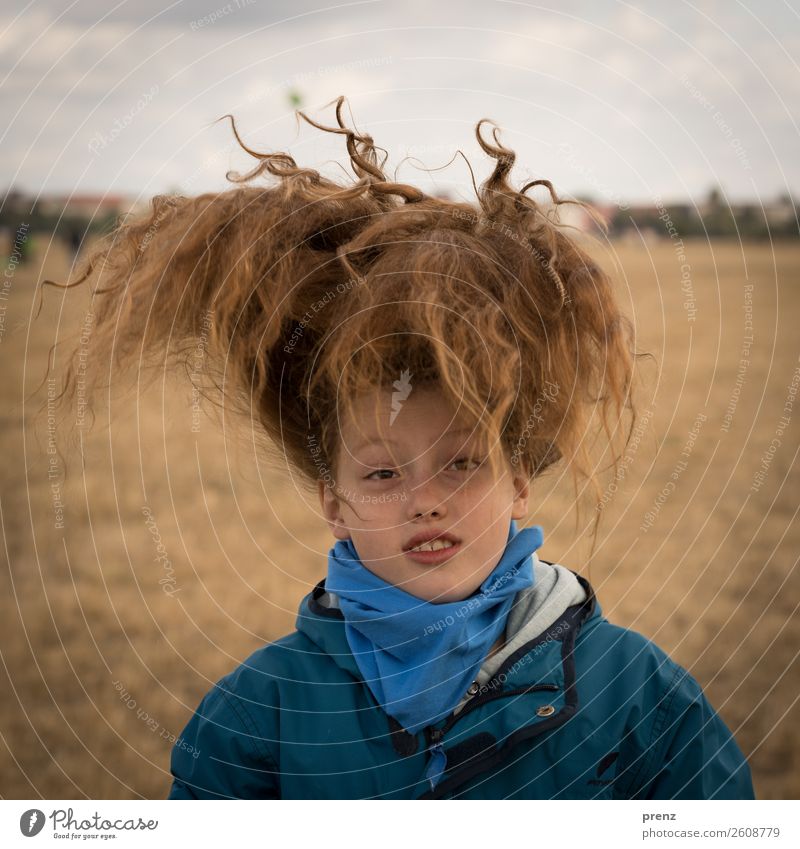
307	292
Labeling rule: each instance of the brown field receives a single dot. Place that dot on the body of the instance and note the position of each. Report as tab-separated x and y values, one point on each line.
83	610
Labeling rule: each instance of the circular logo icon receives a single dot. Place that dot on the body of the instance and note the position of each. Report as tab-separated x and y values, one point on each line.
31	822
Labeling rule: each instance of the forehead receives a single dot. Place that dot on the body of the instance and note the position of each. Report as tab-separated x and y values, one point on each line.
390	418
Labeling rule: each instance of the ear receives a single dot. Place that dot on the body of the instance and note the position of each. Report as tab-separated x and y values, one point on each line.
521	483
332	511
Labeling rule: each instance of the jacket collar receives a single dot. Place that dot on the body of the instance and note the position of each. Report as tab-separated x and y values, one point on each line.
325	626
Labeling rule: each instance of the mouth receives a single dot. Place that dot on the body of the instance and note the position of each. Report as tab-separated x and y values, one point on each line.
435	549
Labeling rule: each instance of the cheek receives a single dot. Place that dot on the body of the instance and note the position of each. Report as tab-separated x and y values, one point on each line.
487	494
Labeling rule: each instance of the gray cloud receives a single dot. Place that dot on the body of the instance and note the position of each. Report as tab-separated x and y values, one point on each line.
655	100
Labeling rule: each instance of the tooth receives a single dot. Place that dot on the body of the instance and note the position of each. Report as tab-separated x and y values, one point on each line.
436	545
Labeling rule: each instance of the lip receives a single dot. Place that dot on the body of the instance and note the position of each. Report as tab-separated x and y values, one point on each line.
432	558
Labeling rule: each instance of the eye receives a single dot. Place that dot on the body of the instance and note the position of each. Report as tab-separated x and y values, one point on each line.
377	472
476	462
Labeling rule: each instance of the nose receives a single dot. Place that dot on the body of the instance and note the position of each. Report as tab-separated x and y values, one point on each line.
426	498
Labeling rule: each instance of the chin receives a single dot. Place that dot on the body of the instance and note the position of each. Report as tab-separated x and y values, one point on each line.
440	590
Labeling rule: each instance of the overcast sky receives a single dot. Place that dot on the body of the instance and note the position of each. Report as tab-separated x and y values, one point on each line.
621	102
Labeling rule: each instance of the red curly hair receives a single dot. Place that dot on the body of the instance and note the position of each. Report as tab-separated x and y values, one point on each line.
307	292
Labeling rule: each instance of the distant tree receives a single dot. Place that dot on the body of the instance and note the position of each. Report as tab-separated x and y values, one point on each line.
715	198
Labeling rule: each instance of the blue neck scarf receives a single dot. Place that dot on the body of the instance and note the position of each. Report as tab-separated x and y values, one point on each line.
418	658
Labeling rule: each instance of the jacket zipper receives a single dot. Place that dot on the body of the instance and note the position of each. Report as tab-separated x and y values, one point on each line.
483	696
438	759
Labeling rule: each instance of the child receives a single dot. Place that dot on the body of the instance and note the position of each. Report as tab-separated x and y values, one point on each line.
419	361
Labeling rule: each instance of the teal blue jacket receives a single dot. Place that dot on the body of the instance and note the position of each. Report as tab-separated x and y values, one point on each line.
585	710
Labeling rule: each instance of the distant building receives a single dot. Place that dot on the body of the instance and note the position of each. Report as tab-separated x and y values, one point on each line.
87	205
71	217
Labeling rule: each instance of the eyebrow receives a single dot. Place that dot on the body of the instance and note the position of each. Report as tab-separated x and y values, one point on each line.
375	440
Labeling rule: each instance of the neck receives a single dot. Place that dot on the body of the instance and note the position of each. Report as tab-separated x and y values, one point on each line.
498	644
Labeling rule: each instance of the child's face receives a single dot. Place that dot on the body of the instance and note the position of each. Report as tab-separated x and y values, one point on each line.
411	482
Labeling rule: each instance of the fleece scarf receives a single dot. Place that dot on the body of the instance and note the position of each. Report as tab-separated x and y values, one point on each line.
418	657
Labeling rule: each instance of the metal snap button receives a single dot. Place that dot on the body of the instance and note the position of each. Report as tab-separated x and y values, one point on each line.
545	710
473	688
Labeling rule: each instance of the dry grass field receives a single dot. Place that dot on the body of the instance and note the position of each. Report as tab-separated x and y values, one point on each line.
108	642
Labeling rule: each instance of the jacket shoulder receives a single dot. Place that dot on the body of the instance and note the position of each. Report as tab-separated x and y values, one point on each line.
676	746
292	661
615	644
273	659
